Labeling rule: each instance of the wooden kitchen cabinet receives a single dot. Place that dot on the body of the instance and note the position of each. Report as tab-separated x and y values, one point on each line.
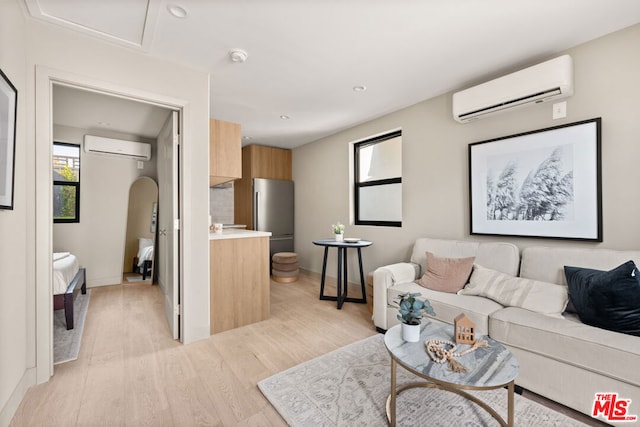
225	152
240	284
258	161
267	162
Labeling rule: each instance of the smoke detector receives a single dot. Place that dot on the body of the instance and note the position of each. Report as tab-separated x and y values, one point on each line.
238	55
177	11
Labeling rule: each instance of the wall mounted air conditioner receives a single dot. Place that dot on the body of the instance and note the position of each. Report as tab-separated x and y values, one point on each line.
117	147
544	82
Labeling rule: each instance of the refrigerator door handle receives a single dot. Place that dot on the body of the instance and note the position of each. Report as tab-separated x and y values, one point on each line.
255	210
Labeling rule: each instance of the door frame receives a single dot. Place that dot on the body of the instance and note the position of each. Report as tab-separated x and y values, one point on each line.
45	78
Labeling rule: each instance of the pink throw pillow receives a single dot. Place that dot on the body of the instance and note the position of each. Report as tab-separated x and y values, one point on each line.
446	274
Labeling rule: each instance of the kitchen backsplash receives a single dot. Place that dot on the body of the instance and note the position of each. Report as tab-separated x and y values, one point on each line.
221	203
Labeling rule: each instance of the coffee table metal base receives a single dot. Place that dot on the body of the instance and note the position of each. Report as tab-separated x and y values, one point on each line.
453	388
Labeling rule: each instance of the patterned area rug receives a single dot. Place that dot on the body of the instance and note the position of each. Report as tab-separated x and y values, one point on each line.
349	387
66	343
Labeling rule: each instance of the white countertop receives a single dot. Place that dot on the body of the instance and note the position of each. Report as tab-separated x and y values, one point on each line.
236	233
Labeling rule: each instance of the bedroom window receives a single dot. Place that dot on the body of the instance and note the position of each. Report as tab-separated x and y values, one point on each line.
66	182
378	180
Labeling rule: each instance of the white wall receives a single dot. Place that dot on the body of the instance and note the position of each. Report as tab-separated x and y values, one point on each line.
17	287
435	164
98	239
32	54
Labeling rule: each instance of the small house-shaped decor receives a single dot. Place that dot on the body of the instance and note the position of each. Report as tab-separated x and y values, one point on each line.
464	329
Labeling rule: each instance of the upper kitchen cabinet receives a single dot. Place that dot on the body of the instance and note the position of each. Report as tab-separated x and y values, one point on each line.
260	161
225	152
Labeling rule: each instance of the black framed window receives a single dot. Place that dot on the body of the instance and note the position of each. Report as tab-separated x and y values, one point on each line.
378	180
66	182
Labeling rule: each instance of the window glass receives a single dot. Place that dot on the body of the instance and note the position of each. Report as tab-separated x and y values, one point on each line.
64	202
381	161
66	182
371	208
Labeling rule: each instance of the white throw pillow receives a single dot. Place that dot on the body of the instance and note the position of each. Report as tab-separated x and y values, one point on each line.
542	297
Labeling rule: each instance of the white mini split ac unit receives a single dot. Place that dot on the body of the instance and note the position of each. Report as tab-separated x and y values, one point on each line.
544	82
117	147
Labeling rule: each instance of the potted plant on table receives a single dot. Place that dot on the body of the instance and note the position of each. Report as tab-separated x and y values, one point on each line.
338	230
410	312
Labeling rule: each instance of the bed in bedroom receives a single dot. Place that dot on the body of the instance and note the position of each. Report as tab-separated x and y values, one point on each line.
68	280
143	262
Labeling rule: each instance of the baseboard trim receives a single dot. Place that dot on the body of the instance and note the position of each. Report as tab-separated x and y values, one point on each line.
9	409
329	279
310	273
104	281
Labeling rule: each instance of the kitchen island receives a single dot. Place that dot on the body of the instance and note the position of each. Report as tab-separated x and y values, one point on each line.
239	278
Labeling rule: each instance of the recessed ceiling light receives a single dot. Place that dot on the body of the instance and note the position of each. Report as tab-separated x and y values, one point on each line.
285	117
105	124
360	88
177	11
246	138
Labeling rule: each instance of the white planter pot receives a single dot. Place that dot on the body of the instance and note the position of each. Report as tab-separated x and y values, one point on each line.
410	333
339	237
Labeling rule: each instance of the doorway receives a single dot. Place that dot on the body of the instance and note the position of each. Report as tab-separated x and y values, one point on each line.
44	218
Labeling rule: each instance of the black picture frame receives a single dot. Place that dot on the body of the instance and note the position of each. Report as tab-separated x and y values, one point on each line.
544	183
8	113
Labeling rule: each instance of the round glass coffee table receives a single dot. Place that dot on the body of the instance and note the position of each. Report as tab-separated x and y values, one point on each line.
489	368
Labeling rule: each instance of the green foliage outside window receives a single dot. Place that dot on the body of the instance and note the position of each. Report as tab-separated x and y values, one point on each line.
68	194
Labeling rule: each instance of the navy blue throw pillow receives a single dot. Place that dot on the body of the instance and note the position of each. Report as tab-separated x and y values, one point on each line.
607	299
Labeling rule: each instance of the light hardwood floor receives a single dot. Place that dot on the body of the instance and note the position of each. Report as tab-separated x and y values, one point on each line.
130	372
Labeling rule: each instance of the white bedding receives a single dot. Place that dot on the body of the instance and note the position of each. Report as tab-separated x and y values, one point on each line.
145	251
65	267
144	255
59	255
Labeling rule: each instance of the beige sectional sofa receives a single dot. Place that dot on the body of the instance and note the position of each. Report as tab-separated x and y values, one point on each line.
560	357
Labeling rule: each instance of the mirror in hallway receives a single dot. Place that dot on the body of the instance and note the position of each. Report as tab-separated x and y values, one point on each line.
138	263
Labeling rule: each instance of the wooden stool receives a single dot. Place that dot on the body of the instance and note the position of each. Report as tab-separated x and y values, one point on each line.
370	291
284	268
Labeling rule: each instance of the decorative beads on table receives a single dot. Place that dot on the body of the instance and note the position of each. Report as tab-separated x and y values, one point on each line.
440	354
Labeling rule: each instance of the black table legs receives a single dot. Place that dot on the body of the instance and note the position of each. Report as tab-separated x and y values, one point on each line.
342	279
324	271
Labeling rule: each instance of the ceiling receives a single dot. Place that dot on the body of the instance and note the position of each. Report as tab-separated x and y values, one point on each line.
306	56
93	111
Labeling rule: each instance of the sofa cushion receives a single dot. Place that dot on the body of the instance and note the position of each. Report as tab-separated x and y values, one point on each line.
569	341
447	306
446	274
500	256
607	299
541	297
547	263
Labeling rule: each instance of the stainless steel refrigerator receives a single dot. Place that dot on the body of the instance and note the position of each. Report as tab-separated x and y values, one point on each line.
273	211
